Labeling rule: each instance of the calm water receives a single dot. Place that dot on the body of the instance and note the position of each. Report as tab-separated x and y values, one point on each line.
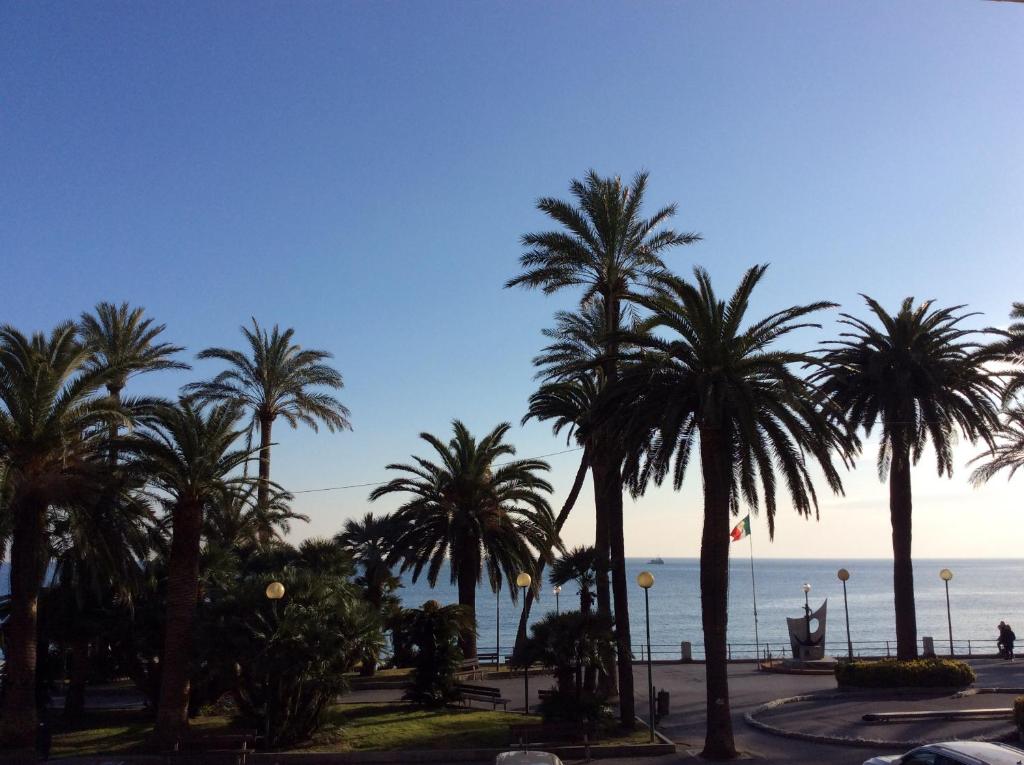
981	593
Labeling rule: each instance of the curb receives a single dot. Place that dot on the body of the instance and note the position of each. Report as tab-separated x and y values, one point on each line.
750	718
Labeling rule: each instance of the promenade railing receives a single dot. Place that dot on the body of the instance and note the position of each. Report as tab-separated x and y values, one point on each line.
780	648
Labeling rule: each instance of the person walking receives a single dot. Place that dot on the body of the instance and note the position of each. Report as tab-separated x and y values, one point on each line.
1008	640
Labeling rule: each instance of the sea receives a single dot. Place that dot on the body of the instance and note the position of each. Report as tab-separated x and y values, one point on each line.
981	593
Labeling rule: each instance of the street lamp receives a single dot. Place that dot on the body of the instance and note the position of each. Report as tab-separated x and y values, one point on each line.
557	589
843	575
945	575
524	581
807	610
646	580
274	592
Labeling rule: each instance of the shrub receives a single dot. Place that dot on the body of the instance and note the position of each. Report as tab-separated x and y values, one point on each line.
434	631
893	673
574	645
560	707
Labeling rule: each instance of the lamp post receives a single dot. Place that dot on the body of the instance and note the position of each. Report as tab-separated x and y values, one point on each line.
497	628
524	581
646	580
807	610
558	591
274	592
945	575
843	575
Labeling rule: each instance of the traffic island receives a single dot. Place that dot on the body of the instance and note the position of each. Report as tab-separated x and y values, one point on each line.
894	717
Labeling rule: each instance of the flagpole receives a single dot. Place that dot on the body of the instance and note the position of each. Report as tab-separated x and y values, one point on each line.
753	590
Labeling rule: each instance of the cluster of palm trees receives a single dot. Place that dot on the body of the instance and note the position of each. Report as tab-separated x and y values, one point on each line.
94	484
653	369
650	370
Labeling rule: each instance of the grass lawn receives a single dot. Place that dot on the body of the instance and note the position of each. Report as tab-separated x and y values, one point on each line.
348	727
115	732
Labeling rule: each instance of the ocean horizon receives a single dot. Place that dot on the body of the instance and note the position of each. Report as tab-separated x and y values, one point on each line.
982	592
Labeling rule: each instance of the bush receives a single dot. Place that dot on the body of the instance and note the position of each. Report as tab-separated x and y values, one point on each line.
434	632
560	707
893	673
1018	714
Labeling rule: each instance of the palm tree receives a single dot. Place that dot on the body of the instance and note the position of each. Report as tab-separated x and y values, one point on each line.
708	380
239	522
577	565
608	249
1010	349
918	378
278	378
122	344
368	542
567	400
1008	451
52	425
471	511
191	458
97	554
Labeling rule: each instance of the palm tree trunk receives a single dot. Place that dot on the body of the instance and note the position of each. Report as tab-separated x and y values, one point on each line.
900	513
714	592
563	515
18	720
74	701
263	487
467	597
616	543
609	681
182	595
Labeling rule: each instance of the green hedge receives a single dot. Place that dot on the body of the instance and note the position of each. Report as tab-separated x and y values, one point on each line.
892	673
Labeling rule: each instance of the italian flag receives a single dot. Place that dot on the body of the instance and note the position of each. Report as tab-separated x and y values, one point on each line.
740	530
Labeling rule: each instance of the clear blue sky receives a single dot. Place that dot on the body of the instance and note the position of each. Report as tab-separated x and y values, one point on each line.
362	172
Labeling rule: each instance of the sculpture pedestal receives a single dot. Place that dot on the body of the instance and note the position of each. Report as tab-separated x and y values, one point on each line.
827	663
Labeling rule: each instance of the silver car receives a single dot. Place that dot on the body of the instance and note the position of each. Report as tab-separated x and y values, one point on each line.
955	753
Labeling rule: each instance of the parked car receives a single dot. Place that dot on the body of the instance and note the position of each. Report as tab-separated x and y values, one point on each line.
527	758
955	753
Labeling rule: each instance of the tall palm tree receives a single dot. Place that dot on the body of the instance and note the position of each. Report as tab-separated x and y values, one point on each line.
122	344
472	511
52	427
567	399
191	456
711	379
606	247
917	377
577	565
278	378
1008	451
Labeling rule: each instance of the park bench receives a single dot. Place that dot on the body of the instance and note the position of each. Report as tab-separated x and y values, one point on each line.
482	693
546	693
469	669
488	658
525	736
217	748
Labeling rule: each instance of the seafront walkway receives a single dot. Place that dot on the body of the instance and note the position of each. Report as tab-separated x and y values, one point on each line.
826	716
750	689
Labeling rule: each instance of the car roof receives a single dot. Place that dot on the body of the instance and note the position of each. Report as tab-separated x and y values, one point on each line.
983	751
